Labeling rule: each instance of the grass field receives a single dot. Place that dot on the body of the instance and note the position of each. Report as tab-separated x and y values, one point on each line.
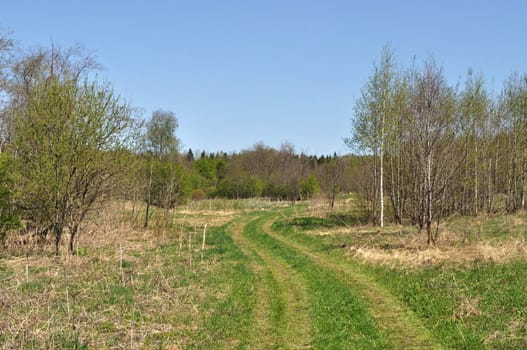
270	276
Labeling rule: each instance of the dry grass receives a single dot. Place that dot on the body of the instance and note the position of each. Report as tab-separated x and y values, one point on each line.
125	289
412	251
440	255
514	331
463	240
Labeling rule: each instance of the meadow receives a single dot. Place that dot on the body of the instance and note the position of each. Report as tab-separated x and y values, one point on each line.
258	274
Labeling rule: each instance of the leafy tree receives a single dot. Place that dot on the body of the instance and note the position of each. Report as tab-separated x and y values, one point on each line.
330	175
8	218
309	187
252	187
160	133
161	145
68	139
6	53
473	107
435	160
372	113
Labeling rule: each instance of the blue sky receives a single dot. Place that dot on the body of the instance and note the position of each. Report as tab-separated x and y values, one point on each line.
239	72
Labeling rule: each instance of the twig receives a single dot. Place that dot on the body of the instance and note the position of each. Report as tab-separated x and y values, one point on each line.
204	237
27	269
203	241
5	279
121	261
67	291
190	248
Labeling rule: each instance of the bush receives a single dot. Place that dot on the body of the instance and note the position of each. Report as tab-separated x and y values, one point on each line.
198	195
8	217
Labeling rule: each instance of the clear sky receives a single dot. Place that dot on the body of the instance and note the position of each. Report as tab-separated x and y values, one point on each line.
239	72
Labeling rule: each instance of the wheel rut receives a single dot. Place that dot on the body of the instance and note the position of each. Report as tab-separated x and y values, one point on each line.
282	319
400	326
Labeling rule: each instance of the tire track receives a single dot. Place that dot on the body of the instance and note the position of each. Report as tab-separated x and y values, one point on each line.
281	312
399	325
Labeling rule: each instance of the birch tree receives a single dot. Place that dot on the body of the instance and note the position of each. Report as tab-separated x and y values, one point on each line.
161	145
435	162
514	109
473	109
373	118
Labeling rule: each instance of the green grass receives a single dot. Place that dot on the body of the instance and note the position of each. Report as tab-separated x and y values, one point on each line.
479	306
484	306
227	313
152	298
340	320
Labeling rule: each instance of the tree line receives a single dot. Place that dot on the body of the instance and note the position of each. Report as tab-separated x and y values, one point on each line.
69	143
423	149
436	150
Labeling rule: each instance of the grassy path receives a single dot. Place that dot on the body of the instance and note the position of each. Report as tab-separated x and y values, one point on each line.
308	299
314	298
400	326
282	311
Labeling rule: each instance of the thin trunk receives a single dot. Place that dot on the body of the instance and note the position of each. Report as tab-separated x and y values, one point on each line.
394	196
400	206
73	236
475	177
463	203
375	182
381	190
58	229
522	190
134	200
381	175
489	189
149	194
429	200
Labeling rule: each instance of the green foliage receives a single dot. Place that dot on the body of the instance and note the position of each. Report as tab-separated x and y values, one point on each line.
160	129
8	218
207	172
471	308
249	187
170	183
206	167
252	187
69	139
309	187
198	195
121	295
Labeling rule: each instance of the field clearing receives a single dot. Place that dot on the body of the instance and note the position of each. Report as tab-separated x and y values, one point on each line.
261	281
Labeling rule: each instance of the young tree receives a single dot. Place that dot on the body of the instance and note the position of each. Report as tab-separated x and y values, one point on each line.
435	161
309	187
473	107
68	139
161	145
6	53
373	114
8	217
330	175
